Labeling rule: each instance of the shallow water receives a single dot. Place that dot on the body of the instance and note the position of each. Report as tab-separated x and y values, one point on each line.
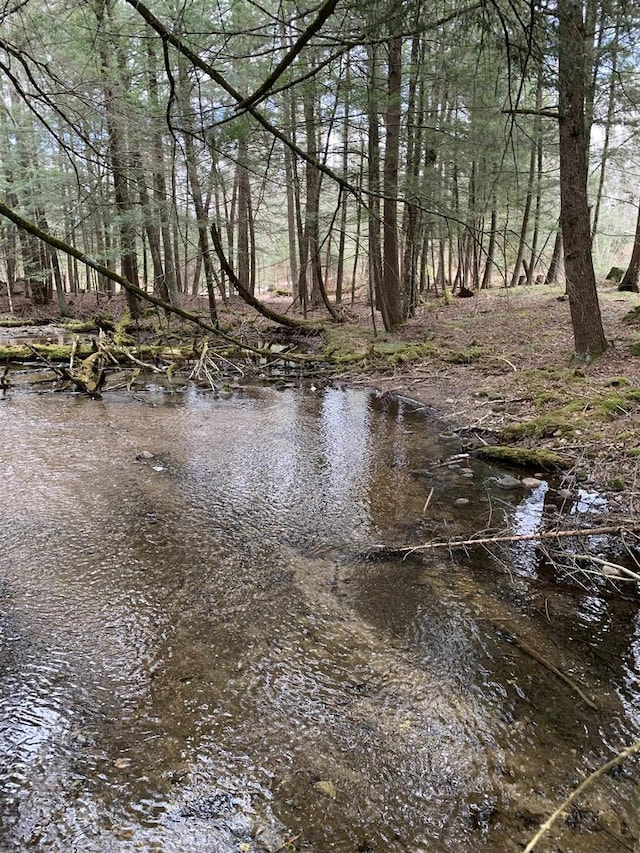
198	652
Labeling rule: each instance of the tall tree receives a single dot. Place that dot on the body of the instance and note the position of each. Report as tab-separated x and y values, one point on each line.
575	220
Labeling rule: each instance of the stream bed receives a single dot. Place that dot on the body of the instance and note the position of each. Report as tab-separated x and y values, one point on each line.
201	651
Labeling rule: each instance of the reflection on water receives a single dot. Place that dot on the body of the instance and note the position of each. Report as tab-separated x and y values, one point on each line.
196	652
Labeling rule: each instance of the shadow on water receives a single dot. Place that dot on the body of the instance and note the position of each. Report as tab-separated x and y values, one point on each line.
197	653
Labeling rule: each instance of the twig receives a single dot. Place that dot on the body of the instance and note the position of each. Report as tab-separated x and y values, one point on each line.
524	537
506	361
452	460
587	558
289	842
535	654
144	365
426	503
604	768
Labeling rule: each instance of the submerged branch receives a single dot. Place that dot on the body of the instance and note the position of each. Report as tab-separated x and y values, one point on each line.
535	655
593	777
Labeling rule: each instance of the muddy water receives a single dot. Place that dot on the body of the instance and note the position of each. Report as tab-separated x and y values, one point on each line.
197	651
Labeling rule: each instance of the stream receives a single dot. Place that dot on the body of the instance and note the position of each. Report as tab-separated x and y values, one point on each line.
201	651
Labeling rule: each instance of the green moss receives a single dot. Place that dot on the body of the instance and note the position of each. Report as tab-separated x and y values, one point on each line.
79	325
633	316
612	405
341	350
544	398
539	458
468	355
634	452
62	352
120	332
54	352
616	484
557	422
618	381
399	352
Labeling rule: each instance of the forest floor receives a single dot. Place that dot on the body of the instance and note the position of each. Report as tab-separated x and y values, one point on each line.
497	368
502	372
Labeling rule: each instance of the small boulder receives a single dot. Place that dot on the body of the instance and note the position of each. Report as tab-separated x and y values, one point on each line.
531	482
508	482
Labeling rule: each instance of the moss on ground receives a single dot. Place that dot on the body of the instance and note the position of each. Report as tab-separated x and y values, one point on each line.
346	346
560	422
472	353
633	316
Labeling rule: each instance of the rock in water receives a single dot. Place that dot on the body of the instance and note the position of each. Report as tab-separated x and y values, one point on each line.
531	482
509	482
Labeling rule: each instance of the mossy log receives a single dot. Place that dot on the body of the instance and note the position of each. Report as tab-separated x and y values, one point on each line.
539	458
63	352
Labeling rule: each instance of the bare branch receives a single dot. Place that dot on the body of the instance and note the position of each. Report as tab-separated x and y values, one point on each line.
325	12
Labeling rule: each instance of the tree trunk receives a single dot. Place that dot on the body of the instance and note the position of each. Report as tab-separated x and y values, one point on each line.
588	333
196	195
343	196
556	257
522	242
242	182
630	279
373	181
118	158
391	271
607	128
159	182
491	249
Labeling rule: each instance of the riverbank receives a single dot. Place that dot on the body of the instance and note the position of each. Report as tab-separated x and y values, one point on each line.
497	368
501	373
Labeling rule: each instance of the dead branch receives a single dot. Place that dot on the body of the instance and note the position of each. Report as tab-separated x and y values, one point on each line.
245	294
608	566
68	249
582	532
535	654
89	377
604	768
